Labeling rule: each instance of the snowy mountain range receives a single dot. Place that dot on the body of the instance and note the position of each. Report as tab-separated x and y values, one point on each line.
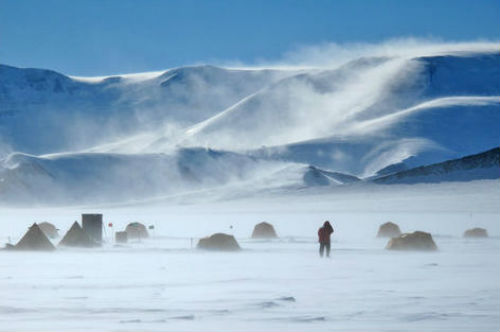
138	136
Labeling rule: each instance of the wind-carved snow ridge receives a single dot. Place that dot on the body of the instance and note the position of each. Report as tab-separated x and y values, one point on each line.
380	123
136	77
302	107
349	115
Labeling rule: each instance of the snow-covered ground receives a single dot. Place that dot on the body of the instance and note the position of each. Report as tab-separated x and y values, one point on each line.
162	283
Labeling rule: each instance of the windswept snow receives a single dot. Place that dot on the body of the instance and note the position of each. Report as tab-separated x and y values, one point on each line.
164	284
202	149
137	77
370	113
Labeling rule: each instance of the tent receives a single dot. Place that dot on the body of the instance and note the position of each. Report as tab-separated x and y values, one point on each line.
136	230
219	241
34	239
76	237
264	230
49	229
389	229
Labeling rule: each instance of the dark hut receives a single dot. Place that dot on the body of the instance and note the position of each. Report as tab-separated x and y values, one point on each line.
49	229
412	241
34	239
92	225
389	229
219	241
136	230
121	237
264	230
77	237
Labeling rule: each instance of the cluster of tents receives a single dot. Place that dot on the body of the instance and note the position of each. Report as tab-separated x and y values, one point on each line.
37	236
417	240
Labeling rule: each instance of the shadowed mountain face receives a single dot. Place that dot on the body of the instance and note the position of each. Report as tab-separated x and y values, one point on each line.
202	127
485	165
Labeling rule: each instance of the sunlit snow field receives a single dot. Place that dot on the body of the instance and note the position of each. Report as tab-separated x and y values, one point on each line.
163	283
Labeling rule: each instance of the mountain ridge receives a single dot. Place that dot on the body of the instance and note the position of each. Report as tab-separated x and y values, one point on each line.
487	163
205	126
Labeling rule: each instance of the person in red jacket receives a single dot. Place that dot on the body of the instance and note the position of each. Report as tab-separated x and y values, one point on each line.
324	233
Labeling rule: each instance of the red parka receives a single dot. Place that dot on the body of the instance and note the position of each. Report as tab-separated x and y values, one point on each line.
324	232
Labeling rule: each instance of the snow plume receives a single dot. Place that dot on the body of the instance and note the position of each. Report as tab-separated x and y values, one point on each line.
338	87
305	106
78	178
328	54
369	126
324	91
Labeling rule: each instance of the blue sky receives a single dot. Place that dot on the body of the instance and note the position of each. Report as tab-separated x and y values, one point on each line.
97	37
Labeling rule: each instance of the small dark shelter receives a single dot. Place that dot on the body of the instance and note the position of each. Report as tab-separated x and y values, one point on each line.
92	225
389	229
77	237
476	233
121	237
412	241
264	230
219	241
